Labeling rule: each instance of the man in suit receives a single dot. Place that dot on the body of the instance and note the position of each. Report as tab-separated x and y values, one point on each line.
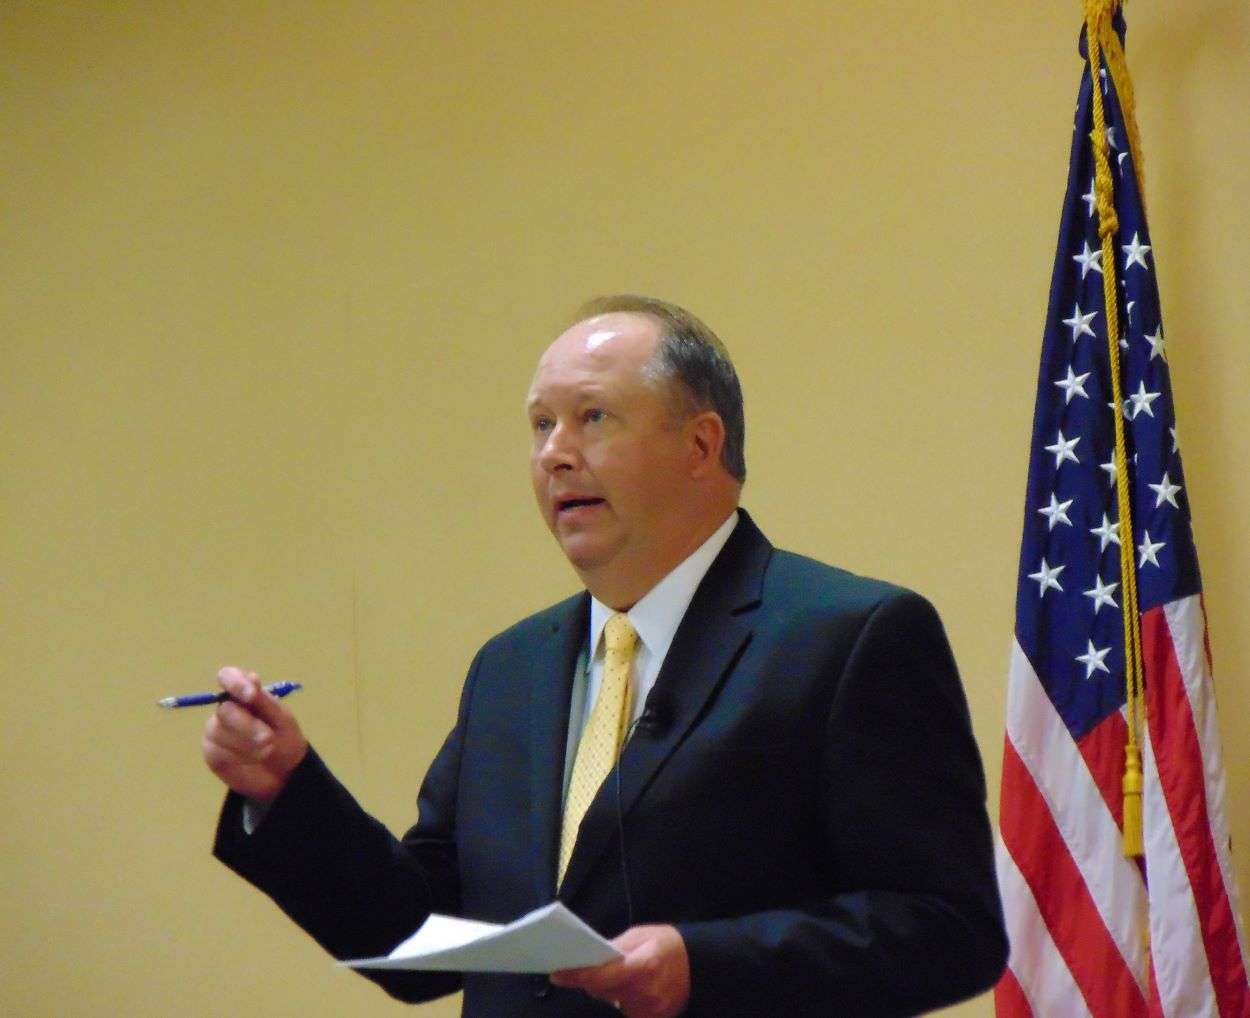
796	821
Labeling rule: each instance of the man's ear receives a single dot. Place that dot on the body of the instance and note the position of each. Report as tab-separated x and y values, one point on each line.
707	439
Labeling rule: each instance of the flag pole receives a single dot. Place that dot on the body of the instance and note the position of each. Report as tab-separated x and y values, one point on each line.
1100	38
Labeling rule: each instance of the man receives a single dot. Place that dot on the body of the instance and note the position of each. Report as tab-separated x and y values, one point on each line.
796	822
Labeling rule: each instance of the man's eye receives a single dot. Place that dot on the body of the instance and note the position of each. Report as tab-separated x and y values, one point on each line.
542	424
595	416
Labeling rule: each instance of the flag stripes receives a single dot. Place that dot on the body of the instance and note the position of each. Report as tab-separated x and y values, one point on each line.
1047	982
1054	826
1196	938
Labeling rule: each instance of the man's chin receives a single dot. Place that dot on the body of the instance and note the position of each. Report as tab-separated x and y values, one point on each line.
580	557
586	554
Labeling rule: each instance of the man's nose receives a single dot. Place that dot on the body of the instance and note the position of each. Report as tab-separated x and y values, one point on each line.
559	451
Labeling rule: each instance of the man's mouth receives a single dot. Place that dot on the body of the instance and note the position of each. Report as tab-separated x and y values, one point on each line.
564	505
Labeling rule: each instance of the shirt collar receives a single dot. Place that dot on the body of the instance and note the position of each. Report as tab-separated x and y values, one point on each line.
659	613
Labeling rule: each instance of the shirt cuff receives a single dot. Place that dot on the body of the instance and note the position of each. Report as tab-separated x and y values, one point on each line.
253	813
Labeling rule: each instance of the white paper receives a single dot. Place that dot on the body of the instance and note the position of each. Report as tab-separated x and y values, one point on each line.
546	940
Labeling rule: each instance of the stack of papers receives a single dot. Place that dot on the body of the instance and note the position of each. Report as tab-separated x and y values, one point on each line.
544	941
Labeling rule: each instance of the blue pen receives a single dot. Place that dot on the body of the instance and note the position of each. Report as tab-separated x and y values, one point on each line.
278	689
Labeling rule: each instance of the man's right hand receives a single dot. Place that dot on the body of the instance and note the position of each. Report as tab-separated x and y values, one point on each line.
252	742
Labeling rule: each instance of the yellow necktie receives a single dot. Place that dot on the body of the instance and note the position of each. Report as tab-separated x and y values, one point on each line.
603	734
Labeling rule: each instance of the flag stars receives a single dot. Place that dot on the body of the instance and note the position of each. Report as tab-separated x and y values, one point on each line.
1108	133
1165	491
1091	199
1109	466
1156	345
1088	259
1141	400
1047	577
1135	254
1175	441
1107	532
1079	323
1128	309
1063	449
1101	594
1073	385
1092	659
1056	512
1148	550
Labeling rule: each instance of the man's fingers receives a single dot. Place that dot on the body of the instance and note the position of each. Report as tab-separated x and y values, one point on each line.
633	937
568	978
236	682
242	724
245	688
251	741
223	758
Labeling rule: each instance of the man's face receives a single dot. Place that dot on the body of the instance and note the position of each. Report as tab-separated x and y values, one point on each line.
610	456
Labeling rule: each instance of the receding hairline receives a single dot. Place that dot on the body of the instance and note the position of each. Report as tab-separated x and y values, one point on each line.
651	369
668	320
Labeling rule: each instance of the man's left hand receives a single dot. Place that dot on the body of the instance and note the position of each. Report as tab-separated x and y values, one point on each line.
651	981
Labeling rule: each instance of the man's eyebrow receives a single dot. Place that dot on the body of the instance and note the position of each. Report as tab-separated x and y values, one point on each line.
588	393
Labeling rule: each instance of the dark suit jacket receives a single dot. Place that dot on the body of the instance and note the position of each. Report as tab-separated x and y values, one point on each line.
808	809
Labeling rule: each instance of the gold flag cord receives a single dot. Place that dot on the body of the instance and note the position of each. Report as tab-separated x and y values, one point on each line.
1102	42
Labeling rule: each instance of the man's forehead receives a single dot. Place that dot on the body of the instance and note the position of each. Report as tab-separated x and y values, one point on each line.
595	355
615	339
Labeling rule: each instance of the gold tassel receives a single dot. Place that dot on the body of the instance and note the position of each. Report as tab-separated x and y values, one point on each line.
1131	786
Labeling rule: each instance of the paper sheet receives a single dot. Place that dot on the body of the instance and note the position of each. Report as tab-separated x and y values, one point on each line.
545	940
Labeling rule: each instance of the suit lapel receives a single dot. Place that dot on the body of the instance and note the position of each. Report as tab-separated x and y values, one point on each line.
550	683
712	636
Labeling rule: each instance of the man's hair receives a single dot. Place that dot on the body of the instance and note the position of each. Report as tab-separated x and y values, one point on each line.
691	355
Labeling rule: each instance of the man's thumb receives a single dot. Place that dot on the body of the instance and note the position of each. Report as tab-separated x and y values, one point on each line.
245	687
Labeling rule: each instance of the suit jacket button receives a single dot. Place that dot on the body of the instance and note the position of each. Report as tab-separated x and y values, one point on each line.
540	987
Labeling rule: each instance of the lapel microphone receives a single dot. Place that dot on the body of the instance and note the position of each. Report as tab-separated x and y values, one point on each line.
651	723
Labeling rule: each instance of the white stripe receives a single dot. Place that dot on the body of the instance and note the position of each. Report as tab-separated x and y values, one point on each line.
1188	627
1086	825
1180	962
1035	961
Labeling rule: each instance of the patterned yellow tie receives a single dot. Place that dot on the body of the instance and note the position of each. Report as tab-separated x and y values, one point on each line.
602	736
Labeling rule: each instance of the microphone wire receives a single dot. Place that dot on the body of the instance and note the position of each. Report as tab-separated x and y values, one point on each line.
620	822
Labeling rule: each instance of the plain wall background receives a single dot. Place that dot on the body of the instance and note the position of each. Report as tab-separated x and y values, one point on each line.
274	279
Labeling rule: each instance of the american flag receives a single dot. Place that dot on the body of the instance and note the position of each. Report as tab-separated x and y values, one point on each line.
1093	932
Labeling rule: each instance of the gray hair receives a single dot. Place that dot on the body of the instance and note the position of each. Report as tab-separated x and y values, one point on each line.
691	354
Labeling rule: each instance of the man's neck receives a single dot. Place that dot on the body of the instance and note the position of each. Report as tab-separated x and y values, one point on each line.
622	592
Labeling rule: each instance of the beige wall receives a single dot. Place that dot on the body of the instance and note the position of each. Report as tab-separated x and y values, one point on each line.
274	277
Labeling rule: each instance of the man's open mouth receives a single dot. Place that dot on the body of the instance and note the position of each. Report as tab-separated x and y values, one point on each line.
565	504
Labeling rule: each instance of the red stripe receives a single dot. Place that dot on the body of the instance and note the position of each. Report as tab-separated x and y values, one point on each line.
1178	756
1154	1003
1009	999
1103	749
1030	834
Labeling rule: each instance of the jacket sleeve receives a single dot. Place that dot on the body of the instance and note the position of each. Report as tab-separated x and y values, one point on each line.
342	876
915	920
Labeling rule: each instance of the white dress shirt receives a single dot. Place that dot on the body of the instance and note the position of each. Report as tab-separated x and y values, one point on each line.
655	618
